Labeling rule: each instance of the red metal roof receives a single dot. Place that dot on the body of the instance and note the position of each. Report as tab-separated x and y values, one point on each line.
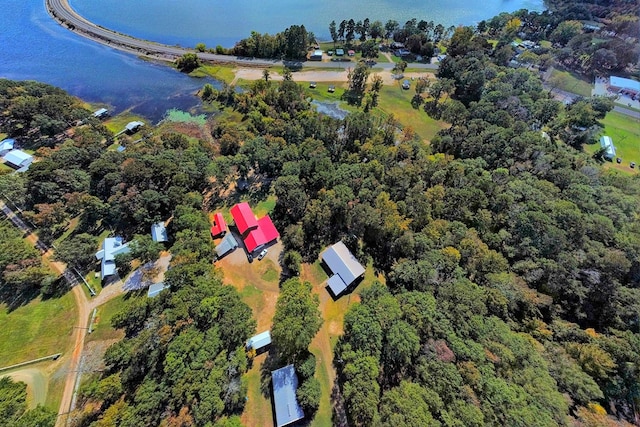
265	233
243	217
219	226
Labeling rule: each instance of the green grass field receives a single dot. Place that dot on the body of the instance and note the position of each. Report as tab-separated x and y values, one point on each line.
223	73
117	123
394	100
569	82
625	133
102	329
37	329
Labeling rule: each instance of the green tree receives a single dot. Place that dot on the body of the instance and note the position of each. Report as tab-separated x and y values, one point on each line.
77	251
409	405
334	33
296	320
308	395
188	62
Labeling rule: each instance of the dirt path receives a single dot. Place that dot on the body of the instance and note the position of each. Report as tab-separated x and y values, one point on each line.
36	383
252	74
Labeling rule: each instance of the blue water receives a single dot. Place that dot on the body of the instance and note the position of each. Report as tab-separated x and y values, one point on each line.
213	22
34	47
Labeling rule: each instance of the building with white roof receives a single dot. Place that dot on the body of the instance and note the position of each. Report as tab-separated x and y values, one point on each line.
345	267
111	247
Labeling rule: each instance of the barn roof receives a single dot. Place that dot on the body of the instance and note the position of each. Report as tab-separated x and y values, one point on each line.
285	384
243	217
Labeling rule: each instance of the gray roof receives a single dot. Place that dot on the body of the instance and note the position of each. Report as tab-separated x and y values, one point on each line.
336	284
18	158
131	126
100	112
342	263
606	143
159	232
111	247
256	342
227	244
155	289
285	384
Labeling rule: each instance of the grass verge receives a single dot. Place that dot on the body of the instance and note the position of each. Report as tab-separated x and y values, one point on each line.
38	329
569	82
625	133
102	329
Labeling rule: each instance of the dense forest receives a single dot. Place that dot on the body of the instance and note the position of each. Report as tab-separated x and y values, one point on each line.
13	407
511	260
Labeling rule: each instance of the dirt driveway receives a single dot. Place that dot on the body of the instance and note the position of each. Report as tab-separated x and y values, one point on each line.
37	384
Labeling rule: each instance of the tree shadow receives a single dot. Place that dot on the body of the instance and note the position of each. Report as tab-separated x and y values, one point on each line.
271	363
15	299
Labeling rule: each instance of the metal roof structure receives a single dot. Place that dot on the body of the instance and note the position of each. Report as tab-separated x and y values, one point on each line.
606	143
133	126
227	245
256	342
261	236
159	232
155	289
18	158
285	384
7	145
344	266
219	226
111	246
243	217
624	83
101	112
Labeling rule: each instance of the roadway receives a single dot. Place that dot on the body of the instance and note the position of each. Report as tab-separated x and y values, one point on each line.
69	18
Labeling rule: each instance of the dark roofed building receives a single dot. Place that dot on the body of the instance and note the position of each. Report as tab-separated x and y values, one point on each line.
285	384
345	267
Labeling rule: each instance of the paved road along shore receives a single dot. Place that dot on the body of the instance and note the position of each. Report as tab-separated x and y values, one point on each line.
63	13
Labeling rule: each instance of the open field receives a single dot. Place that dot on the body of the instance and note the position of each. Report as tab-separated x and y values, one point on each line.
102	329
569	82
117	123
220	72
625	133
394	100
37	329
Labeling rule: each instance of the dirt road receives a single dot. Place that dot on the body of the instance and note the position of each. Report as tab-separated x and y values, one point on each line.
36	385
318	76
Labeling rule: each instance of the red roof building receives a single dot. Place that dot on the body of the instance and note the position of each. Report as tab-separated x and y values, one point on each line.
244	218
264	234
219	227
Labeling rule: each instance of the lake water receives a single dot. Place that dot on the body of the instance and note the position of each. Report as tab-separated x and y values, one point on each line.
213	22
34	47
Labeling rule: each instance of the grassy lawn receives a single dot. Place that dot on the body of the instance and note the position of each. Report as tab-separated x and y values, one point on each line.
569	82
625	133
219	72
394	100
102	329
117	123
37	329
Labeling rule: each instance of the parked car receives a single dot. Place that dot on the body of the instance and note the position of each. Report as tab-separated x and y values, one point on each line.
250	257
633	165
313	85
330	52
262	254
331	89
406	85
618	160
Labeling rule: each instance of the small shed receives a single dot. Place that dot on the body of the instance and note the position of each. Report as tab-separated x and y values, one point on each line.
18	159
609	150
228	244
159	232
132	127
219	227
339	52
351	52
316	55
260	341
6	145
103	112
155	289
285	402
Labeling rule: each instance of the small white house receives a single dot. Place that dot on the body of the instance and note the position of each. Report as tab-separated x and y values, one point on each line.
155	289
609	150
260	341
6	145
111	247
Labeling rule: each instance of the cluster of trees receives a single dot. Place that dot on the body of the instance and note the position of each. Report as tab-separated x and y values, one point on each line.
38	111
292	43
575	46
511	259
22	273
183	356
13	407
